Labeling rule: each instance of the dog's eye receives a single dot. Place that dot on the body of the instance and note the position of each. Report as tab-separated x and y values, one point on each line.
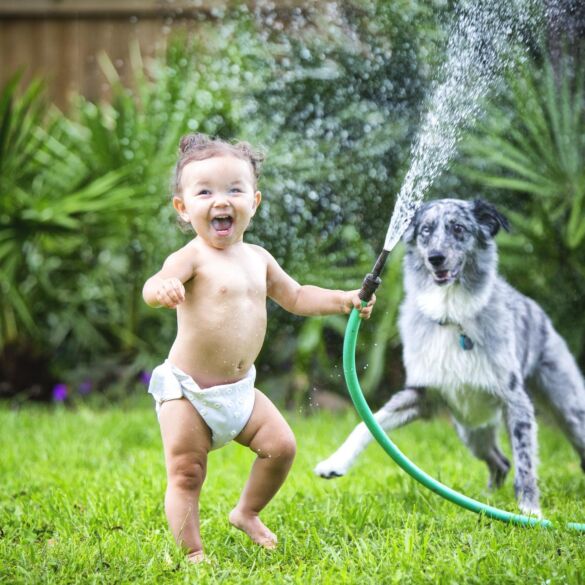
425	230
458	229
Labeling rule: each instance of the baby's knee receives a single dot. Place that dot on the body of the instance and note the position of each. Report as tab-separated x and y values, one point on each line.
290	449
187	473
284	448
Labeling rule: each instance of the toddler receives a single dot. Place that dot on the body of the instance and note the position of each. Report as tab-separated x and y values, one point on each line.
204	392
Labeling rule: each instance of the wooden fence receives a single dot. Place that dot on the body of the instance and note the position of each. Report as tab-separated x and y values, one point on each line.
60	40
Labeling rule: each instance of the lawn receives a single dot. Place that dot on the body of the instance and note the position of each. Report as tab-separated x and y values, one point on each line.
81	501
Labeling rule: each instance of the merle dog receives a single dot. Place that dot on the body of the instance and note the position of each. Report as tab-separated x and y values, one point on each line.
476	345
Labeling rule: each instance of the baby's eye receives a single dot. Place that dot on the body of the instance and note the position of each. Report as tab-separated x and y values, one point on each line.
204	192
235	190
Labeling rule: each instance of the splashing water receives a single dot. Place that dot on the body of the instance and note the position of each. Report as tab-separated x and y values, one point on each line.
478	52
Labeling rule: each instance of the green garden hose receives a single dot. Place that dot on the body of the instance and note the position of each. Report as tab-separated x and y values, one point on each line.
357	396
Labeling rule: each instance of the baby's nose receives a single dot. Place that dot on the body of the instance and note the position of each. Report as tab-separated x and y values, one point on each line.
220	201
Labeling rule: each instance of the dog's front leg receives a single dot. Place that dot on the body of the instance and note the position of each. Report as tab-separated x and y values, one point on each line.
404	407
521	424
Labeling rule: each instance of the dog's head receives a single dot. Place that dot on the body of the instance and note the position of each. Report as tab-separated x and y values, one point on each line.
446	234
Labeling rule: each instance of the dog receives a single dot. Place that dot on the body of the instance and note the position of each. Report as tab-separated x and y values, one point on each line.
476	345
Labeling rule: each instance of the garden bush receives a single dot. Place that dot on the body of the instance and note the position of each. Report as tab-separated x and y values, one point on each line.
333	93
331	97
528	155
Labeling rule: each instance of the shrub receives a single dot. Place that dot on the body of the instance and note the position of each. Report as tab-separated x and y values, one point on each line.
529	153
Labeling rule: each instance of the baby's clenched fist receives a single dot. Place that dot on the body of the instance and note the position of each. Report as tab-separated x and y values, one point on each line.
170	293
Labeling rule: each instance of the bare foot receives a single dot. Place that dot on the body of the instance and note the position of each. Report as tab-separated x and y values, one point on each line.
197	557
254	528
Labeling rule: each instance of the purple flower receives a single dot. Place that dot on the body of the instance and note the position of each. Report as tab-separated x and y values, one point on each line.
85	387
145	377
59	392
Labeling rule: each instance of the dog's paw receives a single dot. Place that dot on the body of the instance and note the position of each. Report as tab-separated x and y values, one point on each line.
331	467
530	509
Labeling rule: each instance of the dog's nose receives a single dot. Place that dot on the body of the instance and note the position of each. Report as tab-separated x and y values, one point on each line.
436	258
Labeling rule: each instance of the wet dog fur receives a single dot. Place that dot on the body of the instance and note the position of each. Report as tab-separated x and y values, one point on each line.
474	344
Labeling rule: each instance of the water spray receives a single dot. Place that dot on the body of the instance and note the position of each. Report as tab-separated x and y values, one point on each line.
474	62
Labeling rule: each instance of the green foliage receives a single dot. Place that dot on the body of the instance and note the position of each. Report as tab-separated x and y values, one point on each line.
336	111
48	207
99	184
139	129
335	106
82	492
317	351
334	96
85	212
533	146
19	119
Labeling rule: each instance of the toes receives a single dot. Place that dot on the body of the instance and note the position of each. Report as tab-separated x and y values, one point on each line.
269	542
197	557
254	528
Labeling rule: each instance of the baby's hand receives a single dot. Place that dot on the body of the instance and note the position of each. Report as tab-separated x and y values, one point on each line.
353	301
170	292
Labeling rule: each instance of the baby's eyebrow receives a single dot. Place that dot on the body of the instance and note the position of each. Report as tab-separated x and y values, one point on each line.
201	181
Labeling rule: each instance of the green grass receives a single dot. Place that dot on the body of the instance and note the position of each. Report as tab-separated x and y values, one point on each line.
81	495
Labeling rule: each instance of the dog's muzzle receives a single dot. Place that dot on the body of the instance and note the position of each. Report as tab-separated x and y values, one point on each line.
441	274
436	258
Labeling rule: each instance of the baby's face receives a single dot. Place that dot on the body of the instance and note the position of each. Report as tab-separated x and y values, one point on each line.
218	198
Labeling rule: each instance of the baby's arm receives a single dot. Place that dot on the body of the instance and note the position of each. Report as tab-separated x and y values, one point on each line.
308	300
165	288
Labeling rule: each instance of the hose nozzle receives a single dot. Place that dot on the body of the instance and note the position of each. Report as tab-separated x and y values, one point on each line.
372	280
369	286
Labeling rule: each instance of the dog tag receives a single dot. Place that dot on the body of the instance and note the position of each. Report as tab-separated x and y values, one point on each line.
465	342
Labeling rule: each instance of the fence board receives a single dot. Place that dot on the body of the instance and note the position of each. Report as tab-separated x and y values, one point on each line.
60	40
104	8
64	52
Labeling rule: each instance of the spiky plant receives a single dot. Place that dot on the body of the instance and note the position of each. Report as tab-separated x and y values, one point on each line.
530	154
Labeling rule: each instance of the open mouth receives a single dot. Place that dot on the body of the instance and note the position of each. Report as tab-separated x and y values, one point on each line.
445	276
222	224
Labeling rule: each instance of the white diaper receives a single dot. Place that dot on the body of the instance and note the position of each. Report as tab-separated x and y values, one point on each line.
226	408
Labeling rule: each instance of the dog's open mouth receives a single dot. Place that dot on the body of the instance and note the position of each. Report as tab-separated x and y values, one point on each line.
445	276
222	224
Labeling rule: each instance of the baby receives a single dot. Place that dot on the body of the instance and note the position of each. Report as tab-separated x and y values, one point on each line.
204	392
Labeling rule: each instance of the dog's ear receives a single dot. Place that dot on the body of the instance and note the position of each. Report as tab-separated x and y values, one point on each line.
489	217
410	234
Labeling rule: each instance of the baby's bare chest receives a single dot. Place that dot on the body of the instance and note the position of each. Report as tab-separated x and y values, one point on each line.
227	288
231	281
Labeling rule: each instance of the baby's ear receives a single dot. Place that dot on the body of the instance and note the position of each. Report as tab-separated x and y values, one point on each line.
179	206
257	200
489	218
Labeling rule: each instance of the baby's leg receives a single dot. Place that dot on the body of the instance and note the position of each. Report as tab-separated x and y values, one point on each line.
270	437
186	441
